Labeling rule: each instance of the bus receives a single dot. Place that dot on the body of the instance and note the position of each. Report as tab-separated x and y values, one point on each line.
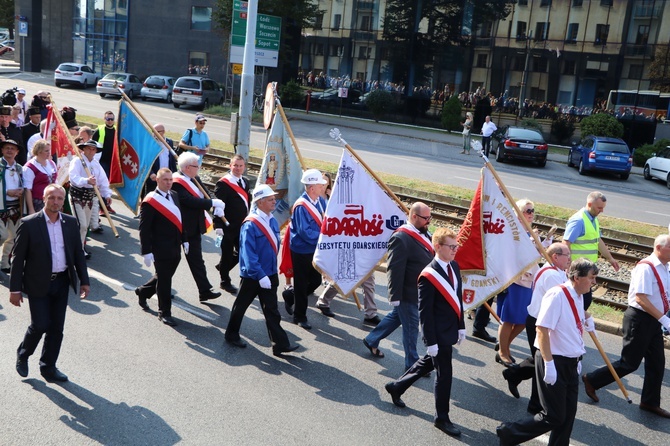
647	103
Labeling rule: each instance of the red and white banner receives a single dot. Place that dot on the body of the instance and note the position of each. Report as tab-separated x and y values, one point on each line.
495	249
60	145
360	219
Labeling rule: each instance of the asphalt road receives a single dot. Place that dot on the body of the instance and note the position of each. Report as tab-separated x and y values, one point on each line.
402	150
135	381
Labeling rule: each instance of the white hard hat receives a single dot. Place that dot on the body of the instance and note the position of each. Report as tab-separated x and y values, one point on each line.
262	191
312	176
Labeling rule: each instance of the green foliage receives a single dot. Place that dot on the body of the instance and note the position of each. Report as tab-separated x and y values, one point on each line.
643	153
530	123
562	129
291	93
451	114
298	12
601	124
379	102
7	15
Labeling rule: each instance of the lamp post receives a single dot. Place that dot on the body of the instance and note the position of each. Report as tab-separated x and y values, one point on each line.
524	76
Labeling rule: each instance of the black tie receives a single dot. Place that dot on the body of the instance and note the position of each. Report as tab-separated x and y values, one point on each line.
241	183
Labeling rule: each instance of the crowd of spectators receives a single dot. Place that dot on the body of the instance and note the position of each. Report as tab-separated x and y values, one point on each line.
198	70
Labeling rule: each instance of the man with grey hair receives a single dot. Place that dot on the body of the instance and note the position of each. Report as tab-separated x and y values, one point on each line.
560	325
487	130
642	336
582	235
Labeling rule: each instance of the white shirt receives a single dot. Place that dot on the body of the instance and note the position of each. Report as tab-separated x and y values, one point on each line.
488	128
12	180
556	315
446	267
164	158
548	279
643	281
79	178
58	261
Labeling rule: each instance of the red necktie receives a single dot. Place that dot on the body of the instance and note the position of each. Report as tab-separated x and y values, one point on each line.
450	275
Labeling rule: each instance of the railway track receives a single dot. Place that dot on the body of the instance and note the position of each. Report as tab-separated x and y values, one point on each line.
626	248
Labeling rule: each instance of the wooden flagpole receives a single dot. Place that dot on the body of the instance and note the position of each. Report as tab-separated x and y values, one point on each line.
59	118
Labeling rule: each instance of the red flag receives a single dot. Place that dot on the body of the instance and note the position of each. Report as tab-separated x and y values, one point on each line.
470	255
60	143
115	174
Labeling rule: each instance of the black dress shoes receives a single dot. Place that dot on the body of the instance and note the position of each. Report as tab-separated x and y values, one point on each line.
326	311
289	300
167	320
500	432
209	295
239	343
52	374
22	366
483	335
229	288
512	384
395	395
448	428
374	320
142	301
278	351
303	324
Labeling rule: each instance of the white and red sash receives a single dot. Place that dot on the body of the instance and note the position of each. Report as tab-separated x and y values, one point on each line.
444	287
266	229
573	307
542	271
187	184
313	211
664	294
416	235
165	207
229	180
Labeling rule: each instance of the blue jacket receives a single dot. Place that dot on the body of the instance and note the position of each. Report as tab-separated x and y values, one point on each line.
304	230
257	257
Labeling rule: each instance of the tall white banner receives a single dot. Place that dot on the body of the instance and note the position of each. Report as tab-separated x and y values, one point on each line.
360	219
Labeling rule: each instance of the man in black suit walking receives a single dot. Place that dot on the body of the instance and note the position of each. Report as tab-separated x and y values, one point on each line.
47	259
161	239
442	325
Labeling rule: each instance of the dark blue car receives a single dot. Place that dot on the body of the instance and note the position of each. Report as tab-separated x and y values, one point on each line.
601	154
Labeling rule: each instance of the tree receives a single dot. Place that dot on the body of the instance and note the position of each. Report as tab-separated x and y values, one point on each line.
601	124
379	102
659	69
7	16
451	114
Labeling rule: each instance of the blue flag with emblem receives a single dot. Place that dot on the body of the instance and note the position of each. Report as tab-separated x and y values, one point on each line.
138	149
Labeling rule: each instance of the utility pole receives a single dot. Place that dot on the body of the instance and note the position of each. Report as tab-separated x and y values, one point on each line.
524	77
247	86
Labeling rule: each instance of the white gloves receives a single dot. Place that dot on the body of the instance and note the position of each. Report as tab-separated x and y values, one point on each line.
218	203
665	321
579	368
185	245
461	337
219	232
265	283
590	324
148	259
218	212
550	374
432	350
394	303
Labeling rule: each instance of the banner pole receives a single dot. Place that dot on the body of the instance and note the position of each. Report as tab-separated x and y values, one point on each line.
290	133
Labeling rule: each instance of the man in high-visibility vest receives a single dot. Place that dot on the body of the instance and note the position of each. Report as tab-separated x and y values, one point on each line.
582	235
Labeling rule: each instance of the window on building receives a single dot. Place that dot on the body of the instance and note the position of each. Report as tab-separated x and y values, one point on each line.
520	30
538	94
198	60
518	63
606	2
545	3
360	75
541	31
569	67
573	29
602	31
485	29
635	71
201	18
319	49
540	64
642	35
577	2
366	23
564	97
523	2
364	52
318	21
333	50
385	53
481	60
337	21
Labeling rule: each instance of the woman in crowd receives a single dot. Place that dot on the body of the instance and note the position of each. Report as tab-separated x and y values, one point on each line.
38	173
467	125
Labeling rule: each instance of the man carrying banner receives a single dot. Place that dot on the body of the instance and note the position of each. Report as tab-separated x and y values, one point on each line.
82	192
306	220
11	181
259	245
161	238
165	160
409	251
195	219
642	337
560	326
442	325
550	275
233	190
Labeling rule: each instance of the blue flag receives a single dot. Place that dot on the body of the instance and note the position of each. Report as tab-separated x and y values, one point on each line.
138	149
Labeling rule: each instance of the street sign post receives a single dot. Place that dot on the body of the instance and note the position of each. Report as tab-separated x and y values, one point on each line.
268	36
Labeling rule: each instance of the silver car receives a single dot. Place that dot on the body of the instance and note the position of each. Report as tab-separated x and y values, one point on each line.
197	91
158	87
110	84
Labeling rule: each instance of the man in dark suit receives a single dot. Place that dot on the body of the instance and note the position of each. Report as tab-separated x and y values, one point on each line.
47	258
442	325
233	190
195	219
409	251
165	159
161	240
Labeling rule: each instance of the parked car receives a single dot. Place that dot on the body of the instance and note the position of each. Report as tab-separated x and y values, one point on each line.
658	166
522	144
6	50
601	154
71	73
110	84
158	87
331	97
197	91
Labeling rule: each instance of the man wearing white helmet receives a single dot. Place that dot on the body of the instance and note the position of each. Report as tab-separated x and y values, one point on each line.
259	245
305	227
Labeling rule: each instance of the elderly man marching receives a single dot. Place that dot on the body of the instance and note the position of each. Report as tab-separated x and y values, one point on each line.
82	192
259	245
642	338
10	198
